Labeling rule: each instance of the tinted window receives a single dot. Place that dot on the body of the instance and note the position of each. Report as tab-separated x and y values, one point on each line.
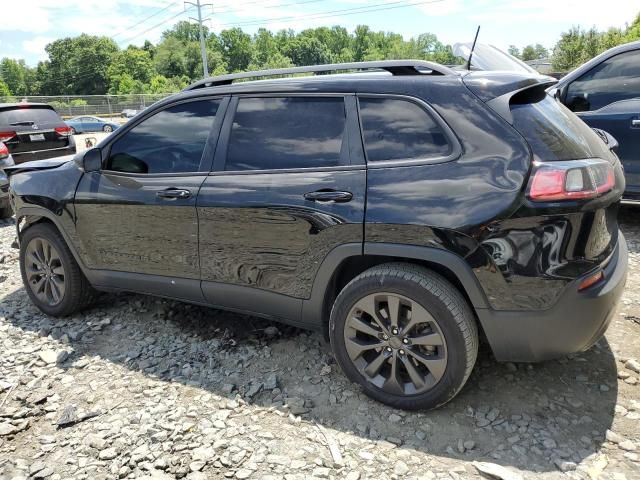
399	129
38	115
615	79
295	132
553	132
170	141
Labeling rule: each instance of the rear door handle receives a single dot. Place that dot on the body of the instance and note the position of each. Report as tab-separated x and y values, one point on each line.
326	196
635	123
173	193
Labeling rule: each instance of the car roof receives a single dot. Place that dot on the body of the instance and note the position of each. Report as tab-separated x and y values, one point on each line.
579	71
24	104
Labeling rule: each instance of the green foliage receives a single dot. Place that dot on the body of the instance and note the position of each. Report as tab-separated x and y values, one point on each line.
4	89
578	45
78	102
94	65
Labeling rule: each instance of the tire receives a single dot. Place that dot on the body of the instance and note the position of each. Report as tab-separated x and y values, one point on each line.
107	128
74	291
434	348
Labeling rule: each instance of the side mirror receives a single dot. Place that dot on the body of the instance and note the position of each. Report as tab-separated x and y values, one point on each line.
92	160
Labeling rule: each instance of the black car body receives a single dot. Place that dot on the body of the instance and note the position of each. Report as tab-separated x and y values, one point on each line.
605	93
34	131
6	160
278	198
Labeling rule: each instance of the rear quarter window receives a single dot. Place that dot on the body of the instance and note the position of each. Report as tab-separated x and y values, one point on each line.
398	129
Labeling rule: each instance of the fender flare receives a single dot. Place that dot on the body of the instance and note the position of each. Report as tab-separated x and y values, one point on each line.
312	308
41	212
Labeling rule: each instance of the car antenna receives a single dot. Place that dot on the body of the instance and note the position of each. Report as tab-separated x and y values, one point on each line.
473	47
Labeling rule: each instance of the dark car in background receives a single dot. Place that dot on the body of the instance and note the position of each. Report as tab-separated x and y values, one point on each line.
405	213
86	124
6	160
34	131
605	93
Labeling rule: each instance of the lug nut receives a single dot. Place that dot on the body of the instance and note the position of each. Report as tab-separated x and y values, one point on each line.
389	349
405	341
395	331
401	352
385	336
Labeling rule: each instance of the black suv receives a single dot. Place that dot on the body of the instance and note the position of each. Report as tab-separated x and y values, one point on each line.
34	131
403	209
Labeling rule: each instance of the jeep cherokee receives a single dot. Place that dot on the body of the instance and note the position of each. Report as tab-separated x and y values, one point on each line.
402	208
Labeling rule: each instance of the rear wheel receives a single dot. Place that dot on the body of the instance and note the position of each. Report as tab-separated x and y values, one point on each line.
405	334
51	276
108	128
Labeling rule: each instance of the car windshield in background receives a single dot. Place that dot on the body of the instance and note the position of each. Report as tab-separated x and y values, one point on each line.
18	115
489	58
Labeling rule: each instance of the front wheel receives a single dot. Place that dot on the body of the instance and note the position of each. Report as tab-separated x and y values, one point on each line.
108	128
51	276
405	334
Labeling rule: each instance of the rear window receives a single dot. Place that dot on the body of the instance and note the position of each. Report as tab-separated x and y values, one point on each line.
554	132
29	114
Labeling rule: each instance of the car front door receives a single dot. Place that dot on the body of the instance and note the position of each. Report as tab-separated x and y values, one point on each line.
137	215
608	97
288	187
88	124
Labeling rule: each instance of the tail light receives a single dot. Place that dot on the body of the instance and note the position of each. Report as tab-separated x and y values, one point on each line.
6	136
63	131
4	151
571	180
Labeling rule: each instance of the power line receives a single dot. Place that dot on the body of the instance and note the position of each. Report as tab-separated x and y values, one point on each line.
235	8
154	27
334	13
128	29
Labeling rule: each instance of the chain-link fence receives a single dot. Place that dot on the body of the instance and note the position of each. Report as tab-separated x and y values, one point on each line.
101	105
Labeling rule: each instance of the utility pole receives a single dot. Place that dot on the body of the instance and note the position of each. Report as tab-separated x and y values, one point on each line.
203	49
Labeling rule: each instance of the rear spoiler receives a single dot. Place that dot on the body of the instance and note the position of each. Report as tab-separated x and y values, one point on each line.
499	90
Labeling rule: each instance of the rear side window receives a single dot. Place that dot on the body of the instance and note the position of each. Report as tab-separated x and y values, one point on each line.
29	115
170	141
288	132
553	132
395	129
615	79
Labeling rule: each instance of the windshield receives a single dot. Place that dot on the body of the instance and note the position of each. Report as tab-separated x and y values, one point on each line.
488	57
28	115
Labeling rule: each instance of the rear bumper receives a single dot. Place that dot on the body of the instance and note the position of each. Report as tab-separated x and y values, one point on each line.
22	157
575	322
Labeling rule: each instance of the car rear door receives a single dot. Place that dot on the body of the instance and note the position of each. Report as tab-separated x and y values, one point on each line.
29	128
608	97
137	215
288	186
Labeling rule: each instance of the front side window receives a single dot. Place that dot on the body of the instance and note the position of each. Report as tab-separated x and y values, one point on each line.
170	141
615	79
395	129
287	132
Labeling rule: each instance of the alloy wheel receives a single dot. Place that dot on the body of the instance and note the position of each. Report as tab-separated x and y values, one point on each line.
395	344
45	273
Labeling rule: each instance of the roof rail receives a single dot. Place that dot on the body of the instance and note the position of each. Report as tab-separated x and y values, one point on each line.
395	67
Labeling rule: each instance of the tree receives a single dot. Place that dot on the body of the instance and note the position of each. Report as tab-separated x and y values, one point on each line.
513	50
237	49
17	76
170	58
4	89
134	61
568	52
184	31
78	65
306	50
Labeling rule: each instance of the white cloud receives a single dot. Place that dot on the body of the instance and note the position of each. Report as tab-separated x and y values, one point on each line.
35	46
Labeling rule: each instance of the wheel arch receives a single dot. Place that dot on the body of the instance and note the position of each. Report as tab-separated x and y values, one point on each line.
345	262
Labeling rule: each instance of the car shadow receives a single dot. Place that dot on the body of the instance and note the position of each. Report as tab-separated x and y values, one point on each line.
525	416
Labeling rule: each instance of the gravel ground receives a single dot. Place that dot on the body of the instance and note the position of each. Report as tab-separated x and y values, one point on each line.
139	387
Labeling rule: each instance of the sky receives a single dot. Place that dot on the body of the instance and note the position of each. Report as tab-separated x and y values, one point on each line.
27	26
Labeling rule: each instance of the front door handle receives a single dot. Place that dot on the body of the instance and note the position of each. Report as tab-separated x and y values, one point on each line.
173	193
635	123
326	196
